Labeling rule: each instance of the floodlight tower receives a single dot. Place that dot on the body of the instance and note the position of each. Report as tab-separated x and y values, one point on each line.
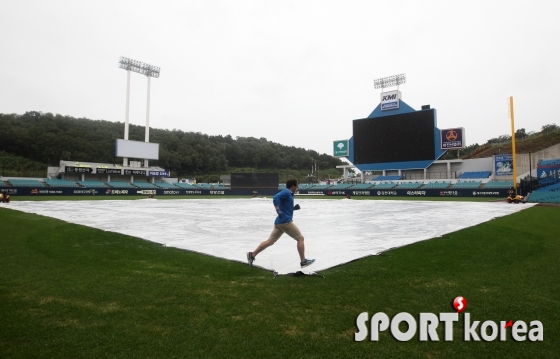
389	81
144	69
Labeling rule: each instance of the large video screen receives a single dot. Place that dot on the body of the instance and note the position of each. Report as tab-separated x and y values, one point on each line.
254	180
398	138
136	149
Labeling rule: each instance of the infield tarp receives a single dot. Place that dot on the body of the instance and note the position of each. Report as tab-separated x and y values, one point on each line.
336	231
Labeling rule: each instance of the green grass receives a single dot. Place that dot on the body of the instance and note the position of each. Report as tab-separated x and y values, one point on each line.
68	291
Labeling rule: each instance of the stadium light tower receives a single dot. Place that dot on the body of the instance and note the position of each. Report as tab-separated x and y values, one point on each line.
389	81
144	69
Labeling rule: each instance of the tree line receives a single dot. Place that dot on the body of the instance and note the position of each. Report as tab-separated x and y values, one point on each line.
47	138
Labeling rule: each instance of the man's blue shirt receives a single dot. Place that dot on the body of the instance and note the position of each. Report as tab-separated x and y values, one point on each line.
284	200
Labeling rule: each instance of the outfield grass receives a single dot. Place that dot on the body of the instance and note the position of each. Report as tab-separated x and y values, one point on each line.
69	291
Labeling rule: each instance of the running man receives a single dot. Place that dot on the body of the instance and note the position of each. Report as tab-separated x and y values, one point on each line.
284	204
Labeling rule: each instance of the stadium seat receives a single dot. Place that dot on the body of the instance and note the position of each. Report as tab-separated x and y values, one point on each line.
303	186
186	185
475	174
144	185
119	184
361	186
409	185
60	183
437	185
321	186
552	162
499	184
548	194
387	178
26	183
386	185
165	185
91	184
467	185
341	186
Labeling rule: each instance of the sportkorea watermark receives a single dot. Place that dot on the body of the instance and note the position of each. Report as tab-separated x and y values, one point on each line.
425	327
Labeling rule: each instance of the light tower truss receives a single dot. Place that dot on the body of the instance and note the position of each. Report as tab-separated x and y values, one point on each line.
138	67
389	81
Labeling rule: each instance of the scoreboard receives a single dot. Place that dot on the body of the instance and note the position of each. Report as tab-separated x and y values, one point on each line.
401	137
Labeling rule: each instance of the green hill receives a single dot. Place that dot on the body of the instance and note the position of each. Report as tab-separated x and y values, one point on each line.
30	142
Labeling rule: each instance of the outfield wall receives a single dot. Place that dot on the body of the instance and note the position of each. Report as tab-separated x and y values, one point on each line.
109	192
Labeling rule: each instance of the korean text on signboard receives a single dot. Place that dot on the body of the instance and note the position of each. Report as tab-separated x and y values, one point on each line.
73	169
135	172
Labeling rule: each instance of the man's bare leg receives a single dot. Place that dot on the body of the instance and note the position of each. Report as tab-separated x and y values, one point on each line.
264	245
301	248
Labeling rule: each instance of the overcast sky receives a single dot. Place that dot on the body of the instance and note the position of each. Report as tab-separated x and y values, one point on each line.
294	72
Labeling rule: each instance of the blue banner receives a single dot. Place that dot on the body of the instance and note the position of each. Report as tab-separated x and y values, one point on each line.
503	165
548	174
159	173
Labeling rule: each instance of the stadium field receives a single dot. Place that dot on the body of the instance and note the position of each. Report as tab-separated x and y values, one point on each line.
71	291
170	197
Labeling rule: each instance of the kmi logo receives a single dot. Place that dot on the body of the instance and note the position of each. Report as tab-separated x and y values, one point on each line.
390	100
389	97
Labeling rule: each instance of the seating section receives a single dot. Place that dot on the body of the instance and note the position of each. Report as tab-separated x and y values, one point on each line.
322	186
387	185
302	186
387	178
467	185
548	194
60	183
186	185
550	162
341	186
220	186
119	184
437	185
360	186
26	183
499	184
212	186
91	184
476	174
144	185
409	185
165	185
205	185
